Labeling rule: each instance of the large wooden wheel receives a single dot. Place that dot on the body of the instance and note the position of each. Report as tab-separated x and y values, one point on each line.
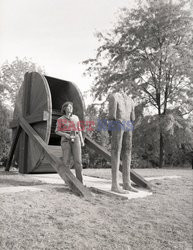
39	102
34	104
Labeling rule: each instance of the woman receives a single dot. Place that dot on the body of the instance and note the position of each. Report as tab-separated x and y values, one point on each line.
68	128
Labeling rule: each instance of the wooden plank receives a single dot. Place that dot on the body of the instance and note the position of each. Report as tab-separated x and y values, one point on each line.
13	146
23	153
33	118
98	148
44	167
40	101
39	114
23	150
57	164
139	180
56	150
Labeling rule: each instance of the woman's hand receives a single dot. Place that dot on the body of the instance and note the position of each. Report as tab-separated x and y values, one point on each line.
67	136
63	134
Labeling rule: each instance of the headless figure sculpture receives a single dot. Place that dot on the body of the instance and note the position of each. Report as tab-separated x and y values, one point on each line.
121	116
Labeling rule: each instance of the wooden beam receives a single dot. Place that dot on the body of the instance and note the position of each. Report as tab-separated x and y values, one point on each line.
13	147
23	153
139	180
97	148
23	145
34	118
57	164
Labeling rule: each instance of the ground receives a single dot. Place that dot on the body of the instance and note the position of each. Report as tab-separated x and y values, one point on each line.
52	217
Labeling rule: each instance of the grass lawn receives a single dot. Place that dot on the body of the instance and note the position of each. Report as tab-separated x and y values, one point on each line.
54	218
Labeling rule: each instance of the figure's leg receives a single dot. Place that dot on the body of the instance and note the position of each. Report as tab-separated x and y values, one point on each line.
126	161
77	156
116	144
66	152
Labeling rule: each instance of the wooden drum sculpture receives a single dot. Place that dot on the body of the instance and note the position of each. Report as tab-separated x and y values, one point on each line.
36	147
39	100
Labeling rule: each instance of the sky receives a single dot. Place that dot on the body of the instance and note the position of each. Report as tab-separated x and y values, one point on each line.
56	34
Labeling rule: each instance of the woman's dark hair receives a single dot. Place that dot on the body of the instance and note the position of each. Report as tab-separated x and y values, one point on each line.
64	106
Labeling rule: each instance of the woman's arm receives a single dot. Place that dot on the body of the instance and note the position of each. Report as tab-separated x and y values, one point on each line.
58	130
79	129
81	139
63	134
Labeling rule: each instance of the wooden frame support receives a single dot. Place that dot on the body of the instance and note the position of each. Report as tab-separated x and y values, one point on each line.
13	147
57	164
75	185
30	119
139	180
23	146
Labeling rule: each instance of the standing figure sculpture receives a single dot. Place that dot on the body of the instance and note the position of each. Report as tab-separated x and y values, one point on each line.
121	118
67	127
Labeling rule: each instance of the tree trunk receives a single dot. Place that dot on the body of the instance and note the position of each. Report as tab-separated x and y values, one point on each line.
161	151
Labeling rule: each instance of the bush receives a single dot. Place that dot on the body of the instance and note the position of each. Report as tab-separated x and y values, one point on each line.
5	133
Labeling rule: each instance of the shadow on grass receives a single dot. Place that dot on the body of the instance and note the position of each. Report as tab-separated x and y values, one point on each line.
12	182
63	189
2	172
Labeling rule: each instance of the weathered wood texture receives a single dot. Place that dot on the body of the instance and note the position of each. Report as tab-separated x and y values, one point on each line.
33	100
23	149
39	100
31	119
45	166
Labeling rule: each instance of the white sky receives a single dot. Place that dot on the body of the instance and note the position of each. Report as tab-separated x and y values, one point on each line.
56	34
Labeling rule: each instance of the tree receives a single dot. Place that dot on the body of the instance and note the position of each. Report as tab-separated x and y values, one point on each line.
99	132
11	78
5	135
178	139
148	54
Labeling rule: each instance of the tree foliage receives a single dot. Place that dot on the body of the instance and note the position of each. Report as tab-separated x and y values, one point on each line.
148	54
5	133
11	78
178	139
99	133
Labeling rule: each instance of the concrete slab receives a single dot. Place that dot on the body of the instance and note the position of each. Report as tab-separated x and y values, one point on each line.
97	184
104	186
